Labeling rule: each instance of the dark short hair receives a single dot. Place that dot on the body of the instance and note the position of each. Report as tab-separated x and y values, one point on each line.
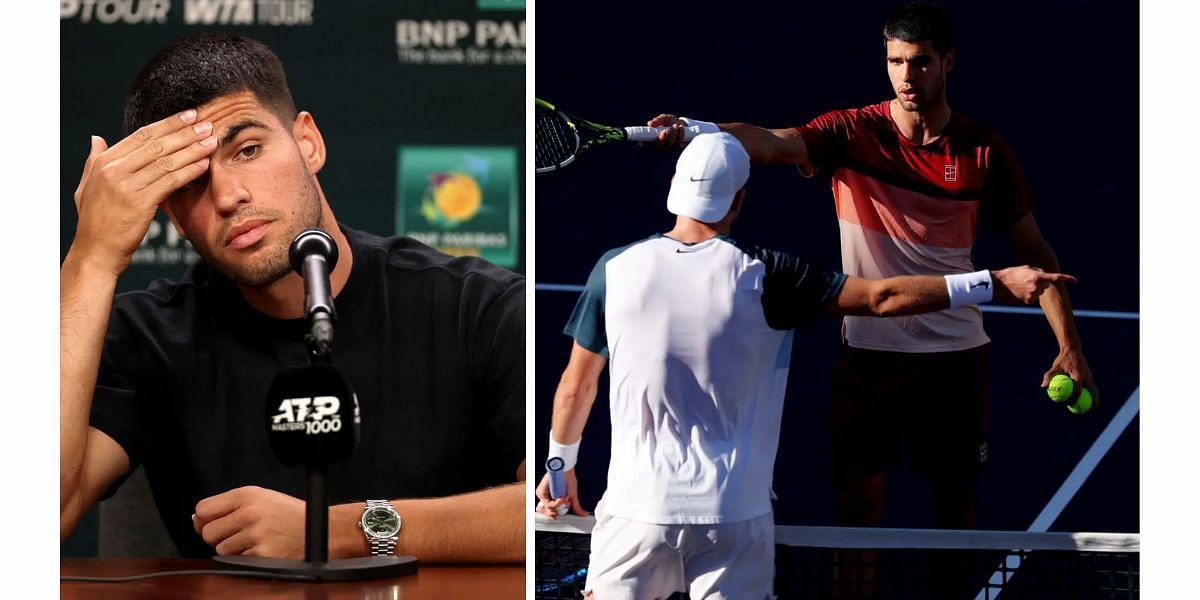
920	21
195	70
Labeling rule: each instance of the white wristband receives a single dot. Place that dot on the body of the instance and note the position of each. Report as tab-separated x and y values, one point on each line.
969	288
567	453
705	126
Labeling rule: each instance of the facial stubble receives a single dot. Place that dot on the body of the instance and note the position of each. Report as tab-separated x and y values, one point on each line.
272	263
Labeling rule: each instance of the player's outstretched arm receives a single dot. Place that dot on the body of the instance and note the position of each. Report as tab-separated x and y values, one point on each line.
117	198
1056	304
770	145
915	294
572	404
762	144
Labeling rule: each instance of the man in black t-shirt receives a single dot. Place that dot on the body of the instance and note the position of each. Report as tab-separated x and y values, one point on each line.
175	377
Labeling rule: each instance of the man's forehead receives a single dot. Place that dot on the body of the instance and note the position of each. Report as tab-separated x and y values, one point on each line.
903	48
226	110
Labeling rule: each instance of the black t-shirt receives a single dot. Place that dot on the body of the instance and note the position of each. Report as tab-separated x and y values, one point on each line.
433	345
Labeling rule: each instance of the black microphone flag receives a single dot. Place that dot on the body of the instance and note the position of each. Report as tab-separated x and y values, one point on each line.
312	415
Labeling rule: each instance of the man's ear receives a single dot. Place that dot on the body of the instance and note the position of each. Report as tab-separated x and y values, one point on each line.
309	140
948	60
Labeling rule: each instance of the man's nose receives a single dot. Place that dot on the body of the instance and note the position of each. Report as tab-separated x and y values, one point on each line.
227	191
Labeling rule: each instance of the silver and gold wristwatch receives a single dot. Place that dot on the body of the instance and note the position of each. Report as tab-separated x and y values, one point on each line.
380	524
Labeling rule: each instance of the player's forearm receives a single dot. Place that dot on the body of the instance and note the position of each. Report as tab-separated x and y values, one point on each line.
487	526
1057	306
768	145
909	295
1055	302
85	296
572	404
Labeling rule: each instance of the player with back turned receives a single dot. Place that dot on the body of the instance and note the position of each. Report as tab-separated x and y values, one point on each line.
696	331
911	181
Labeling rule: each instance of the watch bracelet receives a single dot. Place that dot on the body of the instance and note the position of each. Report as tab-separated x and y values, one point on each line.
380	546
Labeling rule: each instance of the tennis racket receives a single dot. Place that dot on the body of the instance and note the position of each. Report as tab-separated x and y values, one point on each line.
560	137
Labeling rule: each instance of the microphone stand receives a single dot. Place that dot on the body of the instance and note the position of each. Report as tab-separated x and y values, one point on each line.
316	561
316	506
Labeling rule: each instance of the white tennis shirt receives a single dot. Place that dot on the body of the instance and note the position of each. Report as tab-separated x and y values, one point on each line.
699	341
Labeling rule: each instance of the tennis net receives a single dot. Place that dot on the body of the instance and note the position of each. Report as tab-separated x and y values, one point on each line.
878	563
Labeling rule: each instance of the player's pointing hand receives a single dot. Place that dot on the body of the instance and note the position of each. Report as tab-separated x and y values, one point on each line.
1025	284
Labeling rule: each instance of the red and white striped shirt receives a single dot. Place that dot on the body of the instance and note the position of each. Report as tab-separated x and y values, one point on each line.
909	209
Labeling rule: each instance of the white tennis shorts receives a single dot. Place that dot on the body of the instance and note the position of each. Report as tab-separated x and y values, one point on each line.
644	561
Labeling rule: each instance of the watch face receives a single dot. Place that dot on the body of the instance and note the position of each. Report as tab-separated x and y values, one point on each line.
381	522
555	464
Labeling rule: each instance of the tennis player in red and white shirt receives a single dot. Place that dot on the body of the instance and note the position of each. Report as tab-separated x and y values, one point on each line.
912	180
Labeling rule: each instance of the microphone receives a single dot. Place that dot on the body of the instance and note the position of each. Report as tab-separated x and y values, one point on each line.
312	416
313	255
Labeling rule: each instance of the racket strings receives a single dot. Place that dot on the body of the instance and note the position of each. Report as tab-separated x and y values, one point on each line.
555	140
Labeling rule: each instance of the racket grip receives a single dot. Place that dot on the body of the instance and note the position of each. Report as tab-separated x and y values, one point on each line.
558	485
558	489
650	134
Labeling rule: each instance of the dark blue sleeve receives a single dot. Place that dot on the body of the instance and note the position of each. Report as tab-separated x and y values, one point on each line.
586	324
794	292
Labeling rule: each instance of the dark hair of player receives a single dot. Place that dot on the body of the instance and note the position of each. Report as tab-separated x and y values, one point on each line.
195	70
920	21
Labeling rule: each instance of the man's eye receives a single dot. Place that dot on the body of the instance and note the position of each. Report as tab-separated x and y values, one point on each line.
249	151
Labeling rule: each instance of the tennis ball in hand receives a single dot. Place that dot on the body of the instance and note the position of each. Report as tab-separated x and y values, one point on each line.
1061	388
1083	404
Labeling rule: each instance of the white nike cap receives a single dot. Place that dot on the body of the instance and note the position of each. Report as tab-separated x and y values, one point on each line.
710	171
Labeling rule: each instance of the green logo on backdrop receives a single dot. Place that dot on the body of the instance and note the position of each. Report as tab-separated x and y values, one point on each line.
500	4
461	200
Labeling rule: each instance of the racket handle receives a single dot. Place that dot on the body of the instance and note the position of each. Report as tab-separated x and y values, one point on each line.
650	134
558	484
558	489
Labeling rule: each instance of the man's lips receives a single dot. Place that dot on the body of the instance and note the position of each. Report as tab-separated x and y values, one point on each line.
246	234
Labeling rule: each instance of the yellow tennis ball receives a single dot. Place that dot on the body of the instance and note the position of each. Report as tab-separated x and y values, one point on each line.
1061	388
1083	404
